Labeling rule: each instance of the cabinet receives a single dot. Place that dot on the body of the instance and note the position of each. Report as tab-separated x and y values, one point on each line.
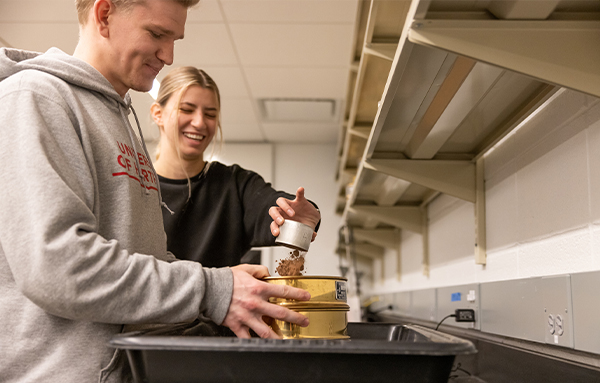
438	84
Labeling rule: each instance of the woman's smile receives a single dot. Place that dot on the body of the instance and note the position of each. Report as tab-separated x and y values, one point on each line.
194	136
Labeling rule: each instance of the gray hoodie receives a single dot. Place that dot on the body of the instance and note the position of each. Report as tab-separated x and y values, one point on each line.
82	245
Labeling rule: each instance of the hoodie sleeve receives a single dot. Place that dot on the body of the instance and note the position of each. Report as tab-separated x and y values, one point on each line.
49	233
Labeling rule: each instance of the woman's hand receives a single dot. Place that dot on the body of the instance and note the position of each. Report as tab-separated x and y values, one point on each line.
299	209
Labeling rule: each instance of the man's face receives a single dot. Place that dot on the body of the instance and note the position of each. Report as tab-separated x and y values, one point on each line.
141	42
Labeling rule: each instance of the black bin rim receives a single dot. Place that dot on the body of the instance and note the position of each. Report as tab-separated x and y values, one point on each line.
436	343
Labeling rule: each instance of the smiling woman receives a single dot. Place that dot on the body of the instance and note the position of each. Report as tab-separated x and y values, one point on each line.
187	114
218	212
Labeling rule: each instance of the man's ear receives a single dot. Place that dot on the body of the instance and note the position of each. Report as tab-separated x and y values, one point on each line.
101	11
156	113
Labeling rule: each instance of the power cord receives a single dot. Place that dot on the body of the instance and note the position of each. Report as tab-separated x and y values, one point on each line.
461	315
446	317
458	368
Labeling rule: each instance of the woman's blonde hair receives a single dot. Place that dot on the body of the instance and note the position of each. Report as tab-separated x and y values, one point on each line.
84	6
174	85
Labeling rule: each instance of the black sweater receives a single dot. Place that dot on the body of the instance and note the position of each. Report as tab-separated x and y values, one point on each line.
227	214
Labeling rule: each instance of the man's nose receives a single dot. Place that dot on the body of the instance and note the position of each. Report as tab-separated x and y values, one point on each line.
165	54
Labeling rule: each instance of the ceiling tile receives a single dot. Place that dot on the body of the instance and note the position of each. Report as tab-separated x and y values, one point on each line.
293	45
291	11
41	37
301	132
237	110
242	132
298	82
229	80
35	10
203	45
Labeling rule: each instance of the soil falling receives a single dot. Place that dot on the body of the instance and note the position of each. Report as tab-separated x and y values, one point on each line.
291	266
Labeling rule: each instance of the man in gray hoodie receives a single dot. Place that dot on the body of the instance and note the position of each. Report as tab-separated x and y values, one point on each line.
82	246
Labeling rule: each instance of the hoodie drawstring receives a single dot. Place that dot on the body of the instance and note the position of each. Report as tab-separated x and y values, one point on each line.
143	142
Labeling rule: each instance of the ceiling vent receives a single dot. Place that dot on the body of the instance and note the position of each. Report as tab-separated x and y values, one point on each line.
299	109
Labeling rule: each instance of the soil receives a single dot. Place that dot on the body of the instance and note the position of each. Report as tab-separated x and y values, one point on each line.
291	266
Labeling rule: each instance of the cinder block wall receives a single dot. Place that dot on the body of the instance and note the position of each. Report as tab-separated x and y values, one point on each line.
542	208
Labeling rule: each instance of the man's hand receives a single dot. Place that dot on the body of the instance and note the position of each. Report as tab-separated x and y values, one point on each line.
249	303
302	211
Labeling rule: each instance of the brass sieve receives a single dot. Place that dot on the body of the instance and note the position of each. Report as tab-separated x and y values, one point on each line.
326	310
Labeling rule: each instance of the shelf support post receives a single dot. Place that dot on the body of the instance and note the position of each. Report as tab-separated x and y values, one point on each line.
425	236
399	256
480	229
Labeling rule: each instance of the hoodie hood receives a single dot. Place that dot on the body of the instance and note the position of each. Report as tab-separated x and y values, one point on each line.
57	63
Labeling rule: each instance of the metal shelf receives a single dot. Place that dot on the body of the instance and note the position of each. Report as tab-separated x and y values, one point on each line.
459	81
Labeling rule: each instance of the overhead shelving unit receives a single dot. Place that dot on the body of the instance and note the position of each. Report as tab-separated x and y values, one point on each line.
463	74
379	30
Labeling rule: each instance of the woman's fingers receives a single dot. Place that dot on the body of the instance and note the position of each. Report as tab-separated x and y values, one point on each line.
284	205
274	229
275	214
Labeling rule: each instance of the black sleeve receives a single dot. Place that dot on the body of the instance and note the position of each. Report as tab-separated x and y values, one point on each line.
257	197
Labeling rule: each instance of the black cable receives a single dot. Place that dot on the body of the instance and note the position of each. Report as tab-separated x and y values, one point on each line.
446	317
459	368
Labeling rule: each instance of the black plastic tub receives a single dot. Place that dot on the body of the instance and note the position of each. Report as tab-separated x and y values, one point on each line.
375	352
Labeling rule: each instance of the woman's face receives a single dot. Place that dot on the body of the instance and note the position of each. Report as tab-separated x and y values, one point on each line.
197	123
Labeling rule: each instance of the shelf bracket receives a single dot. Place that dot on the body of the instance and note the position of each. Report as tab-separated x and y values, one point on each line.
372	253
480	229
425	236
402	217
399	257
455	178
383	50
412	218
388	238
561	52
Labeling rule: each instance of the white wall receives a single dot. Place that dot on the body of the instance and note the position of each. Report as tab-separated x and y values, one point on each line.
542	208
312	167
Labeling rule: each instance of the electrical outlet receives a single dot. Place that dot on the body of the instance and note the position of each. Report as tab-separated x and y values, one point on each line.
464	315
559	325
551	325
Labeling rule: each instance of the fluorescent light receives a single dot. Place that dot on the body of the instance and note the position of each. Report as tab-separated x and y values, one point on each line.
298	109
154	91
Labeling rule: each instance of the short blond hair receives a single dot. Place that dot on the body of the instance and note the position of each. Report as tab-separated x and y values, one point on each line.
84	6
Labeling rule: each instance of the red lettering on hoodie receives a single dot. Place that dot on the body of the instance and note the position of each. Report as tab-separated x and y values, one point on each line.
131	166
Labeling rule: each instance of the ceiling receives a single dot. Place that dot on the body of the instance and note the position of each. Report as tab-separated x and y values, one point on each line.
254	49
